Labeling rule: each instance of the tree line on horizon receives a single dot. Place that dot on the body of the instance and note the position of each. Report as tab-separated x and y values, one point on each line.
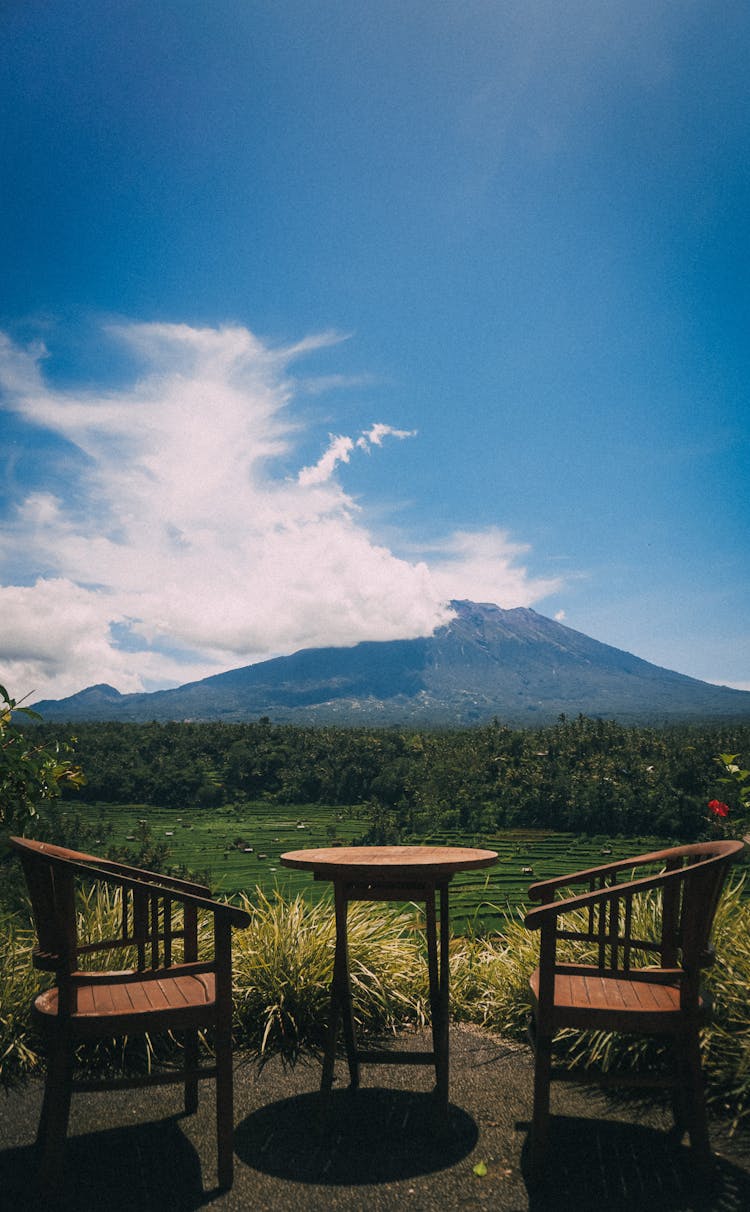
580	774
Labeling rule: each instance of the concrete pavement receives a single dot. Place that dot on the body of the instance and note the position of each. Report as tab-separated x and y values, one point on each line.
133	1150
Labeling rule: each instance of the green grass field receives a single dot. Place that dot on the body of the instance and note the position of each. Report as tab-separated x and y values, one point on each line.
239	850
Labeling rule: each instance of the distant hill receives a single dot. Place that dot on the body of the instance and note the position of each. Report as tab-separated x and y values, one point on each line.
514	664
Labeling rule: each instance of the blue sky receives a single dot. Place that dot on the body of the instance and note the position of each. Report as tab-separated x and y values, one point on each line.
318	315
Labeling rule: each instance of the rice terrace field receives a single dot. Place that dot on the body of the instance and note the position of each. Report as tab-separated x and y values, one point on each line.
239	849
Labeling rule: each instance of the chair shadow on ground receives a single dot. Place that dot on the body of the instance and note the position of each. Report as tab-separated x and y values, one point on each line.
370	1136
146	1166
595	1164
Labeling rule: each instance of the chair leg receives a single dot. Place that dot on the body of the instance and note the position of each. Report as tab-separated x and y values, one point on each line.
680	1110
190	1044
696	1100
53	1121
224	1109
540	1115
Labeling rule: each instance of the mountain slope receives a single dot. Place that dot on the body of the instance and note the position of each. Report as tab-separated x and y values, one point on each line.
514	664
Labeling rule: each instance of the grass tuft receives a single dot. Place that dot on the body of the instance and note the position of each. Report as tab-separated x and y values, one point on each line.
19	1055
283	965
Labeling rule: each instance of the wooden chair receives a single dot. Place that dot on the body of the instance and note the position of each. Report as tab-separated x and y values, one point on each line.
165	986
614	993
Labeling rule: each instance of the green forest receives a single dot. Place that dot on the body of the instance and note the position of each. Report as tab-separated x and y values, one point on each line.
580	775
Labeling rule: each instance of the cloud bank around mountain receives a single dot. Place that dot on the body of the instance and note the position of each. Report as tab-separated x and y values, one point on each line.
176	542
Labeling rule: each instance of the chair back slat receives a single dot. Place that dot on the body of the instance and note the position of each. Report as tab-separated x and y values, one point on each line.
671	914
125	917
167	931
154	928
701	892
140	924
602	929
628	936
190	925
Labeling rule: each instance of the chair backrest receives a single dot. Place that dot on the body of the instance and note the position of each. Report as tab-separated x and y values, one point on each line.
52	893
155	912
702	873
689	878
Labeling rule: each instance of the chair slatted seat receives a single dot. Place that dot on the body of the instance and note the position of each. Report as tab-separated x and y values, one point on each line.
163	985
639	985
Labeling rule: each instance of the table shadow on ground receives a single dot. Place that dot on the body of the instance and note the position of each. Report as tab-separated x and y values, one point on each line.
370	1136
595	1164
148	1166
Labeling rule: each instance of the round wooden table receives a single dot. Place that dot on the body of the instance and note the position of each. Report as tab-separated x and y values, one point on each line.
390	873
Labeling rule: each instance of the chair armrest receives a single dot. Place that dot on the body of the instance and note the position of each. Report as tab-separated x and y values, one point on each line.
537	917
164	881
538	890
154	884
117	873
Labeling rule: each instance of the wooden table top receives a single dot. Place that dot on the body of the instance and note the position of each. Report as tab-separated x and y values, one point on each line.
384	863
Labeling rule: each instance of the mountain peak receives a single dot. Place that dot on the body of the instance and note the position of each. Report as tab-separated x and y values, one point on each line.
465	608
516	665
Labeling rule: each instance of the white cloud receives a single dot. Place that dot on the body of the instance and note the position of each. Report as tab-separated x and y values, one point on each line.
340	449
375	435
181	549
481	566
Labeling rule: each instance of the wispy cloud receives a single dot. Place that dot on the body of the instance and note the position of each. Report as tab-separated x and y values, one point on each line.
340	449
180	548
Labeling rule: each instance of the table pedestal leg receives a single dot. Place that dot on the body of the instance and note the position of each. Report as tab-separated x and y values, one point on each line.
439	973
341	1001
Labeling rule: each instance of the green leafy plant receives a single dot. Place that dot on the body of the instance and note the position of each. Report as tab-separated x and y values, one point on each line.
732	819
29	772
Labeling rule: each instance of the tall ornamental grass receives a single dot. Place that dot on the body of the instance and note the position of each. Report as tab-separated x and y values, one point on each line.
283	964
18	984
727	1038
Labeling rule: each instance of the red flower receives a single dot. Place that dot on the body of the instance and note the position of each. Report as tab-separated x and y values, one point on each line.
718	808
